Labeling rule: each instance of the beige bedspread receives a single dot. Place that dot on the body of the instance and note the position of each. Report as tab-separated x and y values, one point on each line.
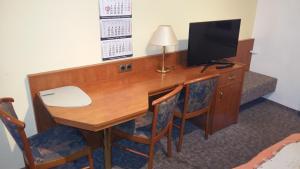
282	155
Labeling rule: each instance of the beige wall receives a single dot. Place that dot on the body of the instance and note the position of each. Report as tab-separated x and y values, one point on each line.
42	35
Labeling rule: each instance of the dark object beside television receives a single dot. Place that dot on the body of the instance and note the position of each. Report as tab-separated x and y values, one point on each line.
210	42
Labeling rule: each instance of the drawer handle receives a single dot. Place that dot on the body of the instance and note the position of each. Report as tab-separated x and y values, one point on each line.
232	77
221	95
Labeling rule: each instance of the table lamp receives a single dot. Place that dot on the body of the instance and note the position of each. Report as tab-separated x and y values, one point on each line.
163	36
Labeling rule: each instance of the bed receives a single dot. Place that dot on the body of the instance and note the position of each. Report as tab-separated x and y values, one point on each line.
282	155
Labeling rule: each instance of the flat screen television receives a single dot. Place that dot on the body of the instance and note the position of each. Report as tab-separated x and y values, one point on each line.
212	41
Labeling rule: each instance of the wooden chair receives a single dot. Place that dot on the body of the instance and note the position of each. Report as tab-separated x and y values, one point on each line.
152	127
195	100
54	147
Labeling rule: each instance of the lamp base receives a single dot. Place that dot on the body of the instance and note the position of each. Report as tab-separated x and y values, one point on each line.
163	70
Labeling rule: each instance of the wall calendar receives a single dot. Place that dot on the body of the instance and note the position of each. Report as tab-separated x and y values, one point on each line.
115	29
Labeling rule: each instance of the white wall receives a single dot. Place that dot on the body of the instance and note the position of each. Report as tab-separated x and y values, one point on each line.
277	37
43	35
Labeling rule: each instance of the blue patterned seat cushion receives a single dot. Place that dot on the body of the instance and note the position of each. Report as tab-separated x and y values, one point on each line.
139	127
57	142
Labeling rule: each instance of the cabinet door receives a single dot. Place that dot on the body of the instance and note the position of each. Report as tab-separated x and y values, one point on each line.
226	106
231	115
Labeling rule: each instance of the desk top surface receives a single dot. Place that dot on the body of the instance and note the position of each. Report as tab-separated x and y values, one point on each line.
123	99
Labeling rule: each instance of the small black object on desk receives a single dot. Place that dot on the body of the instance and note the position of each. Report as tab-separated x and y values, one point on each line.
222	65
225	65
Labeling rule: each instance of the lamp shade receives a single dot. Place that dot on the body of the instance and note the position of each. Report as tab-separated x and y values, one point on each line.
164	36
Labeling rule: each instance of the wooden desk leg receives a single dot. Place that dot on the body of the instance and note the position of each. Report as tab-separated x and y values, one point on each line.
107	148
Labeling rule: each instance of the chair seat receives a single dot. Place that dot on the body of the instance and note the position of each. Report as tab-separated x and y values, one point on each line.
57	142
140	127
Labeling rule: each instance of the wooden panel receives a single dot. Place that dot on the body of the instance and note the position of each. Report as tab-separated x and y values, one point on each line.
243	52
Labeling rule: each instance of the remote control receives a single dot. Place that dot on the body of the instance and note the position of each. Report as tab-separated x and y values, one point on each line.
224	66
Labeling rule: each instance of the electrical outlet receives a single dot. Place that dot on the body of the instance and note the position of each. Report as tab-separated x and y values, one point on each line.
122	68
128	67
125	67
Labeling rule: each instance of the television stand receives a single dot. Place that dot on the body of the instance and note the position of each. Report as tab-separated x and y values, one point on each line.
223	64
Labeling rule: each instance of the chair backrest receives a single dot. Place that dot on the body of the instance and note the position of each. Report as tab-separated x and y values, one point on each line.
16	128
163	110
199	93
8	117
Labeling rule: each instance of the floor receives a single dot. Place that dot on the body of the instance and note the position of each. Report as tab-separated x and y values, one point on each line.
261	124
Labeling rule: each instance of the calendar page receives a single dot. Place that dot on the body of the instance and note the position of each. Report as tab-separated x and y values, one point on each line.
115	8
111	28
116	48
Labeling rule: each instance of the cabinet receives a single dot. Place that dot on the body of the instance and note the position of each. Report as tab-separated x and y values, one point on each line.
227	101
225	107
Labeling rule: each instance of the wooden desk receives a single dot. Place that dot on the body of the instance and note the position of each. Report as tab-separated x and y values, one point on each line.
121	100
119	97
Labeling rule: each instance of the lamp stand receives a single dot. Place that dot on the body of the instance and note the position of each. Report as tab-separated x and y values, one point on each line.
163	69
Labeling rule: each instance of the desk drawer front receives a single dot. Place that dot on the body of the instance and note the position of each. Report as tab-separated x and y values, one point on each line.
231	77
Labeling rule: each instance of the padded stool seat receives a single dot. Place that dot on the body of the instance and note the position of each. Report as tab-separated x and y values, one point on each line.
256	85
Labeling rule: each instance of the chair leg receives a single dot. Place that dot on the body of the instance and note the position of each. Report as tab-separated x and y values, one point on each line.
181	132
26	165
91	160
206	126
151	156
170	141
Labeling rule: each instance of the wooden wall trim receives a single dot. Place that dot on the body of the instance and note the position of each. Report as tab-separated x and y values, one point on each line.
243	52
108	71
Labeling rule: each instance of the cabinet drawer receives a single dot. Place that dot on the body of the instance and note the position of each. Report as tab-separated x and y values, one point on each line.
231	77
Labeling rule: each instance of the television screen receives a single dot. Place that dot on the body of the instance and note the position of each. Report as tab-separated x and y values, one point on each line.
212	41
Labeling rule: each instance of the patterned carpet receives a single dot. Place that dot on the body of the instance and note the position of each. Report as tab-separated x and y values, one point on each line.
261	124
